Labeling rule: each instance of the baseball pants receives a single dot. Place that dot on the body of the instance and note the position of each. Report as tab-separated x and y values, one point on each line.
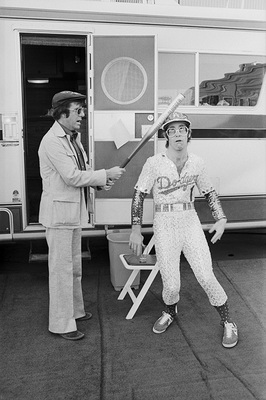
177	232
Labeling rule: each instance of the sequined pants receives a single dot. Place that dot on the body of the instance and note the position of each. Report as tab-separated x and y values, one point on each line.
177	232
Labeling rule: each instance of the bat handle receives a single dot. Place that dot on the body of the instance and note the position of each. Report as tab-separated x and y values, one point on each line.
125	162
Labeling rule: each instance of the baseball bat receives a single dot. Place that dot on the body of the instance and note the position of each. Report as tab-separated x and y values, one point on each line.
154	128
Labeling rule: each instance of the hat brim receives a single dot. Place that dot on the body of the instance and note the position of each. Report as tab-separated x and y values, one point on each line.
164	126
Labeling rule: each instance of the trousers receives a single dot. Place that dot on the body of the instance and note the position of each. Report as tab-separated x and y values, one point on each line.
181	231
65	273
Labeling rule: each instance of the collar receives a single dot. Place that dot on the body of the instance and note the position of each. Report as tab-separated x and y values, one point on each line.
73	134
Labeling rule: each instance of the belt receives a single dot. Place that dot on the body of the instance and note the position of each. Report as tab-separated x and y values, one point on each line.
174	207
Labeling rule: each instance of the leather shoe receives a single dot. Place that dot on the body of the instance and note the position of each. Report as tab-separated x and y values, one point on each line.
76	335
87	316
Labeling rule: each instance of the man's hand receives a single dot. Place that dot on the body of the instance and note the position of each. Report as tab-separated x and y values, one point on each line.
218	227
115	173
136	242
108	185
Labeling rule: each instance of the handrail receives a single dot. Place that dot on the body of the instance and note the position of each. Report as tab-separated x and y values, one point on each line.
8	236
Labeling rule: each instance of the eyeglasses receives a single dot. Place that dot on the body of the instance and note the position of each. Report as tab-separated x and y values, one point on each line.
181	130
79	110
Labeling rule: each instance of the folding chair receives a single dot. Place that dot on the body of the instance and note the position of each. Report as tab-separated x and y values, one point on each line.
136	264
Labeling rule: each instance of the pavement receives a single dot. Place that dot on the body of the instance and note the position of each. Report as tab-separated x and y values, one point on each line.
123	359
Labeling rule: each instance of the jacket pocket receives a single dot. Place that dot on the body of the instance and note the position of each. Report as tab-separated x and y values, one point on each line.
65	213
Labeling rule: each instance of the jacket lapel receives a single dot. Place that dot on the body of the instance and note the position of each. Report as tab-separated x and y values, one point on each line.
60	133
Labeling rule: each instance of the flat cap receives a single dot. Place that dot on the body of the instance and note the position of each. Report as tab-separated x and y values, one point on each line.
66	95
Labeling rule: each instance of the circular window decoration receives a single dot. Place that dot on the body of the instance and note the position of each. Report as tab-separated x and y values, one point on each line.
124	80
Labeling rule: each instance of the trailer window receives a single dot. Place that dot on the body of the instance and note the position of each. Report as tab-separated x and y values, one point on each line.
176	74
222	79
230	80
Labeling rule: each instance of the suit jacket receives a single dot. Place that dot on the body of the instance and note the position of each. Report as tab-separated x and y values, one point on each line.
63	201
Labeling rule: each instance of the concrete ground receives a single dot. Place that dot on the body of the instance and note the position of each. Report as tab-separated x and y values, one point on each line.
123	359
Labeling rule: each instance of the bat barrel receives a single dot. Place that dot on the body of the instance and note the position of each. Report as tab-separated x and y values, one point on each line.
155	127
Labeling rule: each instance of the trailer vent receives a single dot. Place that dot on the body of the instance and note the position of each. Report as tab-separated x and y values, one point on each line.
243	4
129	1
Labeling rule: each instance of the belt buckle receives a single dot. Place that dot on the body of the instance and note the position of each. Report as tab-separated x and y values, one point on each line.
178	207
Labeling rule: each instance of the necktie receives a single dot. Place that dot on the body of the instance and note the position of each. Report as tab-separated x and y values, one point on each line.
81	162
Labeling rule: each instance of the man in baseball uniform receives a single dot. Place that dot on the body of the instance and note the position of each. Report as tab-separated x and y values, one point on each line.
173	176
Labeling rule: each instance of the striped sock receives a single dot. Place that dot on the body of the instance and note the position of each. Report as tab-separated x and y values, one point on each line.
171	309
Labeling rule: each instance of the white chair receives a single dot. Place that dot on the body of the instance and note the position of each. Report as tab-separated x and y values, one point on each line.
136	264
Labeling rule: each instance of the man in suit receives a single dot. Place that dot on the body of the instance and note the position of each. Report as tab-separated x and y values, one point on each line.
66	176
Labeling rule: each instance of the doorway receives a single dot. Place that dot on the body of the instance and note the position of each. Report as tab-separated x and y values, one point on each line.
50	64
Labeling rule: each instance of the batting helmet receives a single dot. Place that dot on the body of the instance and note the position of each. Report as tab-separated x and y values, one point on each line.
176	117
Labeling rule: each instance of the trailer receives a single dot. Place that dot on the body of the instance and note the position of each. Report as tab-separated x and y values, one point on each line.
132	60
